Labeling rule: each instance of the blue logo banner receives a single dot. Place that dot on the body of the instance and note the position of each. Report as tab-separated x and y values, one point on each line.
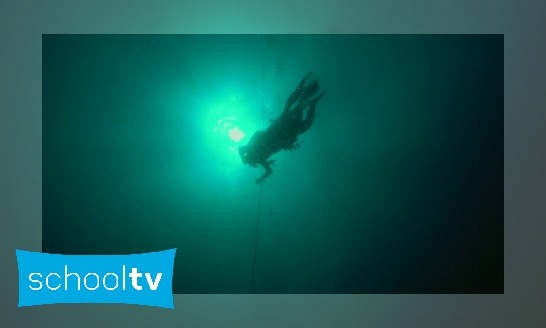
143	279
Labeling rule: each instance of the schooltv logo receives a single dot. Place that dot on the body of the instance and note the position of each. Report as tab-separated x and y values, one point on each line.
142	279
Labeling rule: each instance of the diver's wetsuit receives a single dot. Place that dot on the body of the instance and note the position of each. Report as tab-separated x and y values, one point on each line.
283	132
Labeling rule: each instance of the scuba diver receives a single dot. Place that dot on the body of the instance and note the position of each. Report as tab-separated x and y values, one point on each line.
283	132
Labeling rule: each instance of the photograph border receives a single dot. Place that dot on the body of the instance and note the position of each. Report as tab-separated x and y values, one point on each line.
22	24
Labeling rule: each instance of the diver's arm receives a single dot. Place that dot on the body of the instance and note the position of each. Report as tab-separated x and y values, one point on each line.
267	173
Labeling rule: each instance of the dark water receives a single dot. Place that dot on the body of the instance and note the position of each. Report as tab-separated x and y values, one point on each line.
397	186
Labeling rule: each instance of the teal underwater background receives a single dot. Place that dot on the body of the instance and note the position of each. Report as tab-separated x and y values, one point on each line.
397	186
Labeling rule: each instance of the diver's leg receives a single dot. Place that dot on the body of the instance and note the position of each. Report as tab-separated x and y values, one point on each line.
311	89
290	102
300	90
306	124
309	92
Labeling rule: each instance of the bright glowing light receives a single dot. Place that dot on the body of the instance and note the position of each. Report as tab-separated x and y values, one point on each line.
226	119
236	134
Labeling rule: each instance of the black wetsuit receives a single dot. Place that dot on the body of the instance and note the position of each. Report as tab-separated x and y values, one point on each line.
283	132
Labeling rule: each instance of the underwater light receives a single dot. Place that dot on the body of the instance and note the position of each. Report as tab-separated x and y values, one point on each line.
236	134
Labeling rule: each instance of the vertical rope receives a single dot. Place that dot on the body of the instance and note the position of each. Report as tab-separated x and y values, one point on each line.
260	195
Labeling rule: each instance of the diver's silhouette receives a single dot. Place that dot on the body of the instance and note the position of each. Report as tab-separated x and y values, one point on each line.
283	132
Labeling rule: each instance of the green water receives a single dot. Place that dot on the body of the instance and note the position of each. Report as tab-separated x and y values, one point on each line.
397	186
